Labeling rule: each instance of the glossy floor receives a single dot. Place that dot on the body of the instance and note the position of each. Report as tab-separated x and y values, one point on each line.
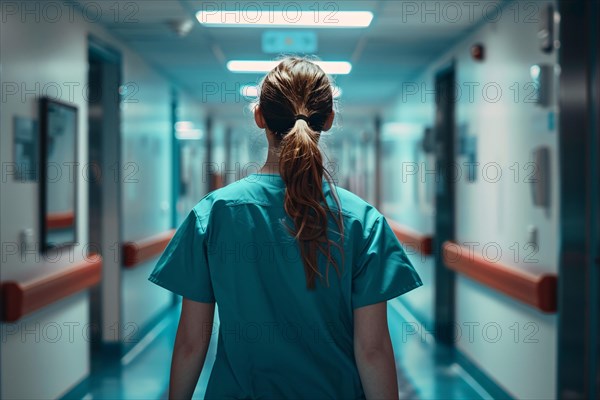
425	370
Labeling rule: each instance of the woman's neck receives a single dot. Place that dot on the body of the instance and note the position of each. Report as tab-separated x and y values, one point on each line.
272	164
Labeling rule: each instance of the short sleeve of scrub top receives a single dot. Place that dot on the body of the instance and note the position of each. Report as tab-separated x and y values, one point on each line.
183	266
383	270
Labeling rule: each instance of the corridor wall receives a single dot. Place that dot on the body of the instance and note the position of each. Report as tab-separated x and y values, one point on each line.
50	57
498	121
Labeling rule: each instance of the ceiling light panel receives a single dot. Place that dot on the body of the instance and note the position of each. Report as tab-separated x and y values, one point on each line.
257	66
254	16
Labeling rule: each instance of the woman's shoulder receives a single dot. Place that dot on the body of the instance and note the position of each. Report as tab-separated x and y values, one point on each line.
356	207
242	191
247	191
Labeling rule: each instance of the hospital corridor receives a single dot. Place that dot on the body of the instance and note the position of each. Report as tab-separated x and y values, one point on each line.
300	199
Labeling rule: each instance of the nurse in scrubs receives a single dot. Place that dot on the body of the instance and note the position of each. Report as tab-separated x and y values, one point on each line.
298	270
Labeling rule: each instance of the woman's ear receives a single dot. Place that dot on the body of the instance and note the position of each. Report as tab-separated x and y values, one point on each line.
329	121
259	118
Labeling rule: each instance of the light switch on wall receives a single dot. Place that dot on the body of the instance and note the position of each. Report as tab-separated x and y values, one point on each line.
540	180
26	238
532	236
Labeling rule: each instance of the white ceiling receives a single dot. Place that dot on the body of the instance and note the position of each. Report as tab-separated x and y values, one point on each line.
394	48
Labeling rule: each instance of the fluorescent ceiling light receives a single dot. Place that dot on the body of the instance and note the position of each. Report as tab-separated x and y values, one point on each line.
250	66
249	91
401	129
252	91
185	130
192	134
184	125
292	17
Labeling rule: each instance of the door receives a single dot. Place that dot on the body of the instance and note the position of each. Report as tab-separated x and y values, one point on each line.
444	202
104	149
579	152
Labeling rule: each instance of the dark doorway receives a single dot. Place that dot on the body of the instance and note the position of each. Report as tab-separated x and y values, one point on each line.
104	148
444	202
579	153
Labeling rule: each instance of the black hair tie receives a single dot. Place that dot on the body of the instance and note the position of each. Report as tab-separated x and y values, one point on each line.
302	117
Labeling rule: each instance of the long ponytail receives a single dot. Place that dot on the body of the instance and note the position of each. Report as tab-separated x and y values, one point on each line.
297	86
302	170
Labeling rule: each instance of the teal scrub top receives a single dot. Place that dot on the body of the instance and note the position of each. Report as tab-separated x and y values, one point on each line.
276	338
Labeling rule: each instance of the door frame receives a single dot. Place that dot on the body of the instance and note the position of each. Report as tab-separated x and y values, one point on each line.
445	194
106	304
579	224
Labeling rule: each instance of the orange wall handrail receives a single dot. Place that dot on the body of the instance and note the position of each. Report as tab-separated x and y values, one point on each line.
60	220
21	297
529	285
136	252
216	181
421	242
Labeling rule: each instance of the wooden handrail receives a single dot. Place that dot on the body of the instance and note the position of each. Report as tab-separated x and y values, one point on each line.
60	220
216	181
529	285
37	288
421	242
136	252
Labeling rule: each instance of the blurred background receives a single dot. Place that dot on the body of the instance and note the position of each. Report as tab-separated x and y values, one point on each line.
471	125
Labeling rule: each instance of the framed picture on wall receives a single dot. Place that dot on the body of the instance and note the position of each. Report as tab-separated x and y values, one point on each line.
58	173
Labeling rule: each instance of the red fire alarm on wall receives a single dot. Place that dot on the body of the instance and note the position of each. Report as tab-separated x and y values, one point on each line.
477	52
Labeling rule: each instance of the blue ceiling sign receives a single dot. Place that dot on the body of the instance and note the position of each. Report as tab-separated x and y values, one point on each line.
278	41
